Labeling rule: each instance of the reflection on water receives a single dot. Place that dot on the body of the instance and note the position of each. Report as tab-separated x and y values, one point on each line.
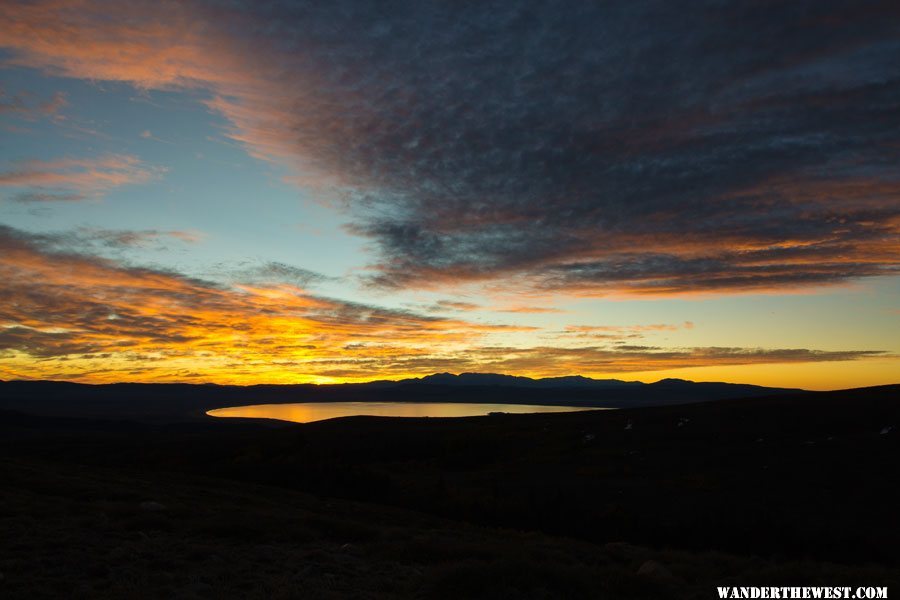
317	411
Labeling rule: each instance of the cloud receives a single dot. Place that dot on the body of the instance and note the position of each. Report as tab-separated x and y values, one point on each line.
42	197
531	310
148	135
460	306
552	361
452	306
75	179
191	236
29	108
593	359
589	329
93	239
618	333
643	148
270	273
65	313
73	315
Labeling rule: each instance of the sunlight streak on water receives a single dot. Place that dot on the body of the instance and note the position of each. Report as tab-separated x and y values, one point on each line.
307	412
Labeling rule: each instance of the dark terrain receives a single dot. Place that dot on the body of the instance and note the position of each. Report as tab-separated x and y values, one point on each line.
666	501
169	403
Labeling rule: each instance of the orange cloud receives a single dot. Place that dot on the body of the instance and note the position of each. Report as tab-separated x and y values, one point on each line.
151	45
73	316
549	361
161	45
75	178
628	328
67	315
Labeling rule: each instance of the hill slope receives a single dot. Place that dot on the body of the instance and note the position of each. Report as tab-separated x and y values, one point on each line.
782	490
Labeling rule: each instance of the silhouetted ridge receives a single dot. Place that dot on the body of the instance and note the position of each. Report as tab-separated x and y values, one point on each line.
496	379
569	381
155	402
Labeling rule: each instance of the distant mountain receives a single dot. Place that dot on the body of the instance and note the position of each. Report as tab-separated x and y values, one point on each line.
495	379
179	402
578	382
469	379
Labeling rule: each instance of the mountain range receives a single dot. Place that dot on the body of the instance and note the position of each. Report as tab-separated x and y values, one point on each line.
170	402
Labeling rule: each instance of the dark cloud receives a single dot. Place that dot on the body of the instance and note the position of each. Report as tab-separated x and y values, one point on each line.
643	147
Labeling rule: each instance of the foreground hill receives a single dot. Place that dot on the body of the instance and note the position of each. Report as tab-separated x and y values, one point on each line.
97	532
187	402
794	489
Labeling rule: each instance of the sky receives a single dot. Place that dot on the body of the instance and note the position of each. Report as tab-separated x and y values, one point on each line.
289	192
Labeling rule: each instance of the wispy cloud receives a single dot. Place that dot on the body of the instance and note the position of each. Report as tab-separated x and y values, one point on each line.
91	238
552	361
590	329
452	306
148	135
27	107
531	310
88	240
621	334
269	273
462	306
74	179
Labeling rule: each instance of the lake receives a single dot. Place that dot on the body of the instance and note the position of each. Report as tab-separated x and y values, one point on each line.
307	412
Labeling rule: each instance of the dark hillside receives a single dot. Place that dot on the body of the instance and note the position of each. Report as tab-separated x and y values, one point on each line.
812	476
169	403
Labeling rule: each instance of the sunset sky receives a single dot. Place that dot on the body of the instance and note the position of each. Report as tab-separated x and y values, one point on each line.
285	192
